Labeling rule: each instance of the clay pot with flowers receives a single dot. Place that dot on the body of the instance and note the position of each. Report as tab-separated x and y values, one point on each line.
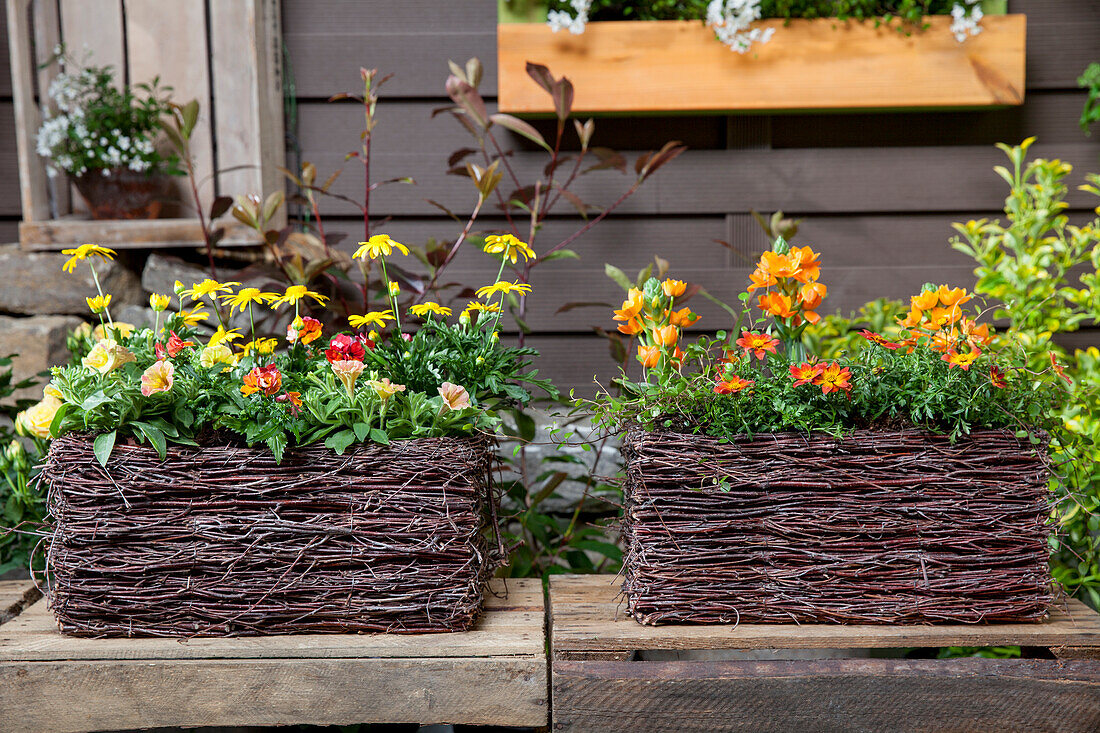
903	481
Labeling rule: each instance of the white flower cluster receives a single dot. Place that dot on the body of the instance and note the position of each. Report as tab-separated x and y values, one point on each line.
965	17
65	140
730	20
560	19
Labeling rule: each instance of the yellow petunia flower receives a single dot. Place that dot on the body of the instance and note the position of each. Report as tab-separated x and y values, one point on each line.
374	318
99	303
83	252
508	247
246	296
295	293
423	309
489	291
159	302
208	287
119	330
216	354
380	245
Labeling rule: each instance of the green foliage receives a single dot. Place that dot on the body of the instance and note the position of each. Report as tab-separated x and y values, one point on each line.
1090	81
1044	274
22	507
835	335
910	11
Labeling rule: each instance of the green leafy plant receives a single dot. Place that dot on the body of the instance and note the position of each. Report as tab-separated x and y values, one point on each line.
22	506
1090	81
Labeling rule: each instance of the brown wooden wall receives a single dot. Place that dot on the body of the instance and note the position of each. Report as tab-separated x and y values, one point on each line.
878	191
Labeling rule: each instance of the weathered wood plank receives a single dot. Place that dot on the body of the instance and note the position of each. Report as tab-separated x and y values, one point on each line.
512	626
15	596
171	43
54	234
95	27
33	187
381	17
586	616
626	66
827	695
112	695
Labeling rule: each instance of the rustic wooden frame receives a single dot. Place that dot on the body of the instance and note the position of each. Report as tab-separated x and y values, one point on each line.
602	681
824	64
237	79
495	674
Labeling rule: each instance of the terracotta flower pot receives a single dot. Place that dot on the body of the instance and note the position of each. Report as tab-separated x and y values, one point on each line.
121	193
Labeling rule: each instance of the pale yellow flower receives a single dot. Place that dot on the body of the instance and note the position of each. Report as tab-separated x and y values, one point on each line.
119	330
158	302
35	420
82	253
216	354
158	378
378	246
508	247
106	356
348	370
385	389
455	396
51	390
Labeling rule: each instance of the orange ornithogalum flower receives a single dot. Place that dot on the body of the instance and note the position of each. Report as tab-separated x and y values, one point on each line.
833	378
997	377
912	319
807	264
777	304
952	297
632	306
943	317
682	318
1058	368
265	380
674	288
777	265
925	300
943	341
632	327
732	385
976	335
666	335
878	339
757	343
649	356
962	361
805	373
761	279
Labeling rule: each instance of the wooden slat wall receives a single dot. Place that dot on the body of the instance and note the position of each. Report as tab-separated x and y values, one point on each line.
878	191
10	210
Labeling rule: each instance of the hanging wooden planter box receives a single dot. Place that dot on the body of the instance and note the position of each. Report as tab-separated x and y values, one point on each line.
224	53
223	541
674	66
880	527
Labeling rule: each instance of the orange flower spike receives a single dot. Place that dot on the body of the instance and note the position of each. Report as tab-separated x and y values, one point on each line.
682	318
808	263
757	343
732	385
962	361
952	297
777	304
834	378
1058	368
925	301
632	327
632	306
805	373
777	265
674	288
761	279
997	377
666	335
812	293
912	319
649	356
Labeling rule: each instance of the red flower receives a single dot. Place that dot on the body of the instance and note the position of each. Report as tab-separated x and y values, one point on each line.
266	380
878	339
834	378
1058	368
805	373
294	399
732	385
176	344
962	361
757	343
345	348
997	377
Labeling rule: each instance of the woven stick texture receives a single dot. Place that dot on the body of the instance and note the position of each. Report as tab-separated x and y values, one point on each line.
222	541
881	527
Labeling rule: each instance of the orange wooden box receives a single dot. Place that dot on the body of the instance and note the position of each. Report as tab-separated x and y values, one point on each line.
671	66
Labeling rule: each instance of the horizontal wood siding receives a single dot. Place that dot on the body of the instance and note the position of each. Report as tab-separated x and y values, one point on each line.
10	208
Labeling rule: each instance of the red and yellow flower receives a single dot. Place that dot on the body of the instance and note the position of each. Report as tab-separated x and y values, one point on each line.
834	378
266	380
960	360
757	343
805	373
732	385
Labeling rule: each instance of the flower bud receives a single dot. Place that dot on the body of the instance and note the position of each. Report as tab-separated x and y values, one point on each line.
158	302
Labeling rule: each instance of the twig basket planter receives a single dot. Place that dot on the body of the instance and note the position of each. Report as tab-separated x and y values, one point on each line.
881	527
222	541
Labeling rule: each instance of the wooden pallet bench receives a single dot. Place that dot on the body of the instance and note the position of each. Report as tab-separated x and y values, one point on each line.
494	674
605	678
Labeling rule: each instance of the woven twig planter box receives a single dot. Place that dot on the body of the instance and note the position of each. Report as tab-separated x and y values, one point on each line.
880	527
222	541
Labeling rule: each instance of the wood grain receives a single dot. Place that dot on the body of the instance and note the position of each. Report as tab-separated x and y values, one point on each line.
33	187
586	616
15	596
630	66
827	695
55	234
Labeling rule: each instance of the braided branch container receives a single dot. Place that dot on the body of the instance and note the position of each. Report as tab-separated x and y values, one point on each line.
222	541
881	527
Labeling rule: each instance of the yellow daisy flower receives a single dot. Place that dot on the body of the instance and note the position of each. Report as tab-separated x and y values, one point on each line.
423	309
374	318
159	302
475	307
194	316
508	247
489	291
83	252
246	296
295	293
378	246
208	287
99	303
221	336
395	288
262	346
